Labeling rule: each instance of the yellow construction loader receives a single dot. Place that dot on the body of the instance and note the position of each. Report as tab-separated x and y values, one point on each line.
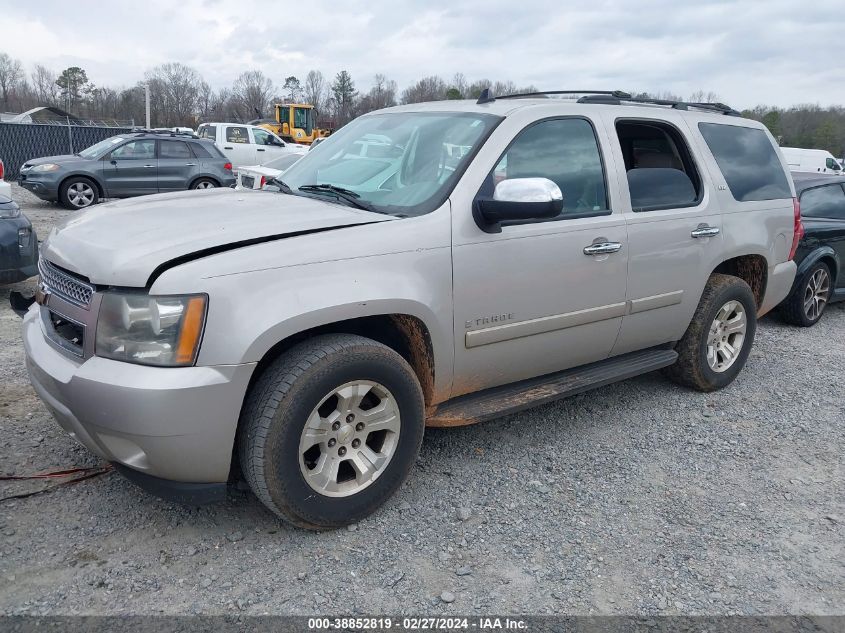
295	123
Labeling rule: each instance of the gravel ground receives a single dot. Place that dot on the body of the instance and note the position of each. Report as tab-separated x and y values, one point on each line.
638	498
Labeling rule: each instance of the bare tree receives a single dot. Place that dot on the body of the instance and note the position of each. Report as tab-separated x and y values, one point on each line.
174	93
314	91
251	94
11	72
700	96
431	88
44	85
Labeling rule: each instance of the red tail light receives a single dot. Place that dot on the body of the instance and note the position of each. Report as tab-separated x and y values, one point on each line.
2	170
228	166
798	228
262	182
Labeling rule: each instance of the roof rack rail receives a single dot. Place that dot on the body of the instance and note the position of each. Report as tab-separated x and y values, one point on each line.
140	131
613	97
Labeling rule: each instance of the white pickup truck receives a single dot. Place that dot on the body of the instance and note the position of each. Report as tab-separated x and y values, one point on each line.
247	144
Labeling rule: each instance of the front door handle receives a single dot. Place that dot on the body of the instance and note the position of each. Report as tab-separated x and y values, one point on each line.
705	231
148	166
190	164
227	147
260	149
602	248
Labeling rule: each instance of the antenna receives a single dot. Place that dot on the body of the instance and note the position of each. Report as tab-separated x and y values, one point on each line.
485	97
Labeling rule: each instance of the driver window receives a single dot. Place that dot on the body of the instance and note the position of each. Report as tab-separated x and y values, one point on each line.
262	137
135	150
566	152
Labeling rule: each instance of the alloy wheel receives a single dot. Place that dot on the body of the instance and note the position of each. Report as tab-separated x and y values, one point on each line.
726	336
80	194
349	439
205	184
816	294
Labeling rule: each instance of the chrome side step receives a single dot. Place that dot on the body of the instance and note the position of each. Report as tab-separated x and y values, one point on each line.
498	401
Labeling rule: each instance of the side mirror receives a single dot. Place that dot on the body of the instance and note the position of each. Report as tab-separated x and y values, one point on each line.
518	200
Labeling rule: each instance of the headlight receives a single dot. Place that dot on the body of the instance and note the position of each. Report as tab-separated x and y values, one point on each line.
45	167
150	330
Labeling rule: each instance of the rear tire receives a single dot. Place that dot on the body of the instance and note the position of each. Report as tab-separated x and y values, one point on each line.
717	342
78	192
314	409
806	305
204	183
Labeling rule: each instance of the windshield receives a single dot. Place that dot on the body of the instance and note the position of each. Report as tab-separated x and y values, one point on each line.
98	148
403	163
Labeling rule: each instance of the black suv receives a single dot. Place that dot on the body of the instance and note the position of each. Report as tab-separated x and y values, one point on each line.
131	164
821	253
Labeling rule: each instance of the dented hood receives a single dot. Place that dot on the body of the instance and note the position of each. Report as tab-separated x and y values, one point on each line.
123	243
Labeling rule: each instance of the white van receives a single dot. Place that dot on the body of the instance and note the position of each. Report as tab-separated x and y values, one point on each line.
811	160
247	144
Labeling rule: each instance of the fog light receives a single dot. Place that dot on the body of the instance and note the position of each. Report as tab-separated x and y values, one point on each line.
24	237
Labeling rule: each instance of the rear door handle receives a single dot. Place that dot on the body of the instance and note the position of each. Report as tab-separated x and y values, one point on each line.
602	248
190	164
227	147
148	166
705	231
260	149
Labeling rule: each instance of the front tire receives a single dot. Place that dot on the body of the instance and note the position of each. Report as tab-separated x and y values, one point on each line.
330	430
77	193
717	342
805	306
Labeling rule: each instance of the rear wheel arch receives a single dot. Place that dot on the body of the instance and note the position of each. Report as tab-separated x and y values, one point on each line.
752	269
826	255
194	181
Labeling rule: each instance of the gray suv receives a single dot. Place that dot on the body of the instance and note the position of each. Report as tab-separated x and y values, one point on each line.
132	164
504	253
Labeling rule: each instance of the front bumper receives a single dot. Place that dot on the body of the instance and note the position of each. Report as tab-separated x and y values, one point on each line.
44	185
778	285
174	424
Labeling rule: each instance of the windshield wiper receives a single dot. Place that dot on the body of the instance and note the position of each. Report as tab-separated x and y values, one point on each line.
346	195
283	186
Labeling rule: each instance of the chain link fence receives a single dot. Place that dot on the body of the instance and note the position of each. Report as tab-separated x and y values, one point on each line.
20	142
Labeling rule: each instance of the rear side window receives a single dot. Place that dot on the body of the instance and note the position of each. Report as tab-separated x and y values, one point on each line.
824	202
566	152
174	149
200	150
748	162
208	131
237	135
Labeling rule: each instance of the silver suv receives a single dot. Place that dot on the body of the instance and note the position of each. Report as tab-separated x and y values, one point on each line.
496	255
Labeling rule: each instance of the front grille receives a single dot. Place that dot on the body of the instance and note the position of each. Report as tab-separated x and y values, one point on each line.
64	284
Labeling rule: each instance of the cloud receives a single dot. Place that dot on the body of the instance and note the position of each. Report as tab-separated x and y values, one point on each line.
747	52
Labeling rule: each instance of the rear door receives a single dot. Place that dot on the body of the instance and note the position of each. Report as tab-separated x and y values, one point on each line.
674	228
237	145
177	167
131	169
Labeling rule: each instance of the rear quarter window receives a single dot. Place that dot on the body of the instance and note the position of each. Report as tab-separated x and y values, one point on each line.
747	160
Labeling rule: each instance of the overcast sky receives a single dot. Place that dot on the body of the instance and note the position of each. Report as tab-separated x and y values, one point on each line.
778	52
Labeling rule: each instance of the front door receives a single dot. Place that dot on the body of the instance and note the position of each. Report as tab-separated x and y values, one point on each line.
266	148
131	169
177	167
531	300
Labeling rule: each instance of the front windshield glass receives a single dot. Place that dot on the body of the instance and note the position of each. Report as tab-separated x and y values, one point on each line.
98	148
403	163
